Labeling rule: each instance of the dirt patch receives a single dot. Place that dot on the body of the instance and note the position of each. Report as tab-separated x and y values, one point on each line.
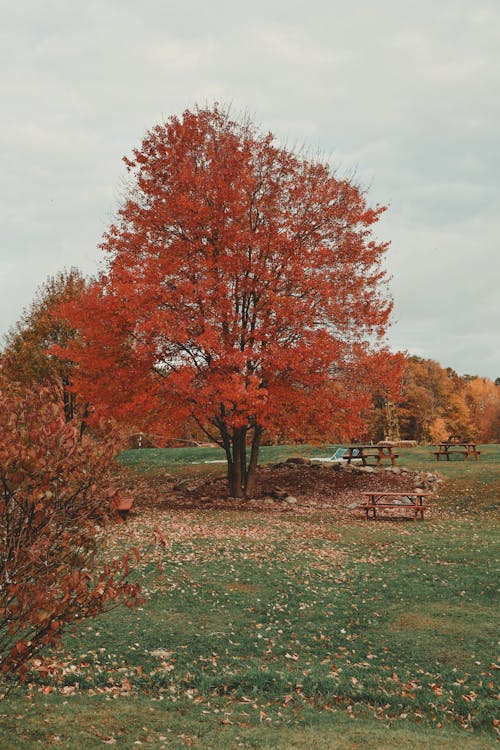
418	621
443	619
246	587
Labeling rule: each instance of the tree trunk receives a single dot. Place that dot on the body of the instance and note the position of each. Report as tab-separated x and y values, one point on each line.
234	477
252	464
241	477
241	437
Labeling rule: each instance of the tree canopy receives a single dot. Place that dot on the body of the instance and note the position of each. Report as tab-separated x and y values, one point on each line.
243	289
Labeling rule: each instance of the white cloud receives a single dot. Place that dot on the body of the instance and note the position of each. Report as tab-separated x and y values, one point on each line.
404	94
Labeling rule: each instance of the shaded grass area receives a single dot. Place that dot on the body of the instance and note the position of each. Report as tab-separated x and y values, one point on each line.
267	642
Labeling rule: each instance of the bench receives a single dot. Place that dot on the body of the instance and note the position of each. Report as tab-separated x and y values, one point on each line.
122	506
447	453
374	454
415	508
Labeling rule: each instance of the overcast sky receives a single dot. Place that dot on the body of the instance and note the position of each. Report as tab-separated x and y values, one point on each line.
404	93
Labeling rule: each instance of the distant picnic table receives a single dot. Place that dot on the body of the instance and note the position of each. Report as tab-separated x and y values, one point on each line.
456	445
363	452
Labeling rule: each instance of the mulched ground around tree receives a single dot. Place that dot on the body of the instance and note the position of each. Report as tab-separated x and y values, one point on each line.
280	488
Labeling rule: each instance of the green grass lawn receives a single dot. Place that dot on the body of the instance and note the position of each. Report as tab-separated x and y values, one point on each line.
169	459
172	459
296	632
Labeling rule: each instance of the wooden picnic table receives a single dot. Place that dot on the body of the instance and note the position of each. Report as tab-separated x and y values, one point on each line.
362	452
407	500
465	448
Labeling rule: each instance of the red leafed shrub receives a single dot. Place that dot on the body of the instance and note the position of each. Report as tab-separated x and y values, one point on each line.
54	493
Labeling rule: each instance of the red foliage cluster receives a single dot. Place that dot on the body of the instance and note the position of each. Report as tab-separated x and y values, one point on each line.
53	496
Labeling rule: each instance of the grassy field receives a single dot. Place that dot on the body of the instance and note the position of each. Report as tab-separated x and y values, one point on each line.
185	459
175	459
259	631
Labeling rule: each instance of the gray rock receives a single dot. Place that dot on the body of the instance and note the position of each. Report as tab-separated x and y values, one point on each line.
279	493
291	500
421	485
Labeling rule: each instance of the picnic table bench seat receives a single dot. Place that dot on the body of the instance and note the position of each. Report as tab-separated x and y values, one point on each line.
460	451
463	452
376	454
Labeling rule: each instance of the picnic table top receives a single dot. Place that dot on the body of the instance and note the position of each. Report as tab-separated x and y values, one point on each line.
456	443
373	446
404	493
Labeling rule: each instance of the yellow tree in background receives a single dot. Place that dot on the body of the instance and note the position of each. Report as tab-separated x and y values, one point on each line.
437	402
483	398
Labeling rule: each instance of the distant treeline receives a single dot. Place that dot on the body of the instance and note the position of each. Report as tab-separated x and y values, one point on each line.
437	402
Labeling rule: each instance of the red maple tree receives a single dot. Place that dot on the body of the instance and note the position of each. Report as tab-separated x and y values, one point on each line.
243	290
